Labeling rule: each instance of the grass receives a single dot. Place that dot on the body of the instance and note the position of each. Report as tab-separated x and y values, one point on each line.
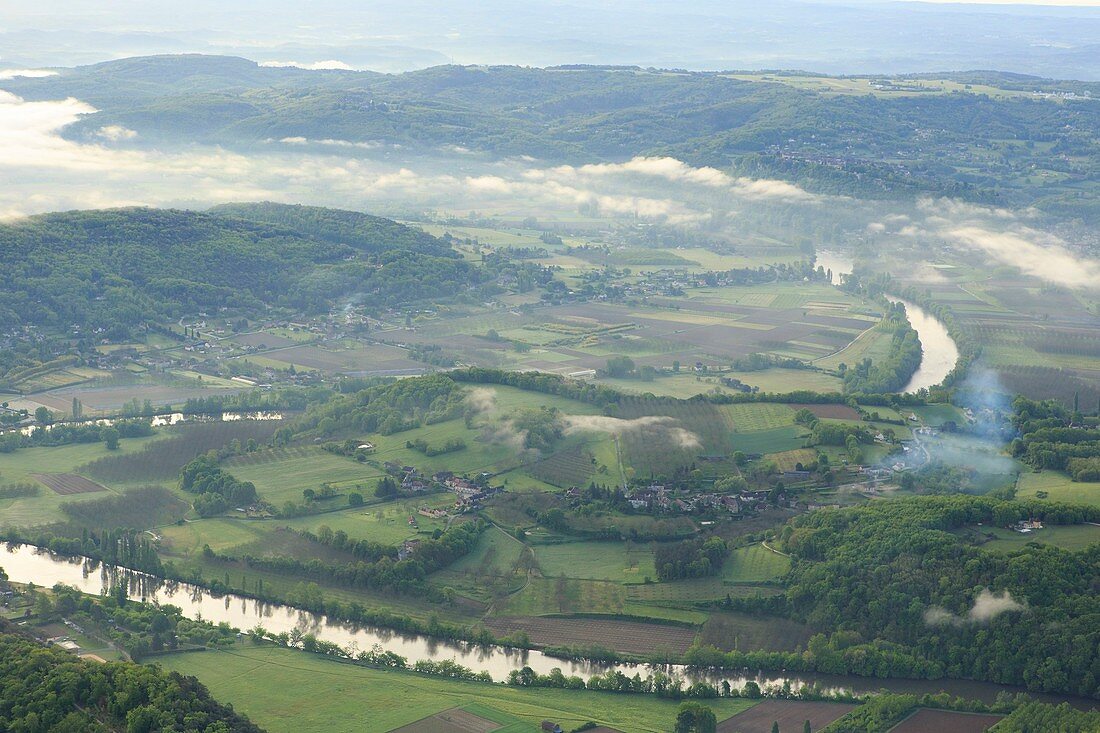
386	523
280	474
770	441
17	467
873	344
615	561
1071	537
543	596
937	415
1057	487
754	564
291	691
756	416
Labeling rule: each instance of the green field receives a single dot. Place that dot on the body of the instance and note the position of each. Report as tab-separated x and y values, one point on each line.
17	467
754	564
617	561
873	344
1071	537
771	441
756	416
384	523
280	474
937	415
543	596
287	691
1058	487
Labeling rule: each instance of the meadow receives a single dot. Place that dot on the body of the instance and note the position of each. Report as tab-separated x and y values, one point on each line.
1057	486
289	691
43	508
625	562
754	564
281	474
1072	537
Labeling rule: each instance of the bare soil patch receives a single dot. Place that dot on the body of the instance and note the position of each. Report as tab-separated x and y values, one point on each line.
936	721
450	721
790	714
68	483
630	637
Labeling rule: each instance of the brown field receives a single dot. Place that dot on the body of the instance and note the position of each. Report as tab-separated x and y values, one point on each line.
68	483
374	358
111	398
264	340
449	721
630	637
834	412
729	631
934	721
790	714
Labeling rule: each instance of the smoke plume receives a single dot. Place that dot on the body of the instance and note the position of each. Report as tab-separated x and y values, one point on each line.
987	606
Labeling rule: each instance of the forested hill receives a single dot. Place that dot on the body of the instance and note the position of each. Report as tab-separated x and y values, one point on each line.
360	231
46	689
116	269
963	143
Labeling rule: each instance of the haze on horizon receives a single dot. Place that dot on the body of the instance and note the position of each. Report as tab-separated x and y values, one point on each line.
1047	38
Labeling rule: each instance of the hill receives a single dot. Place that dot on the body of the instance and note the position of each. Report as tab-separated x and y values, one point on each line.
107	271
881	139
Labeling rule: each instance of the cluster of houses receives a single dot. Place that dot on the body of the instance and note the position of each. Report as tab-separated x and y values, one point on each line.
470	494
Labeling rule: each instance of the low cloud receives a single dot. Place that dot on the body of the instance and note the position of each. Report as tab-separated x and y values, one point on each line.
41	170
330	65
334	143
6	74
1005	237
482	399
1047	260
987	606
616	426
677	171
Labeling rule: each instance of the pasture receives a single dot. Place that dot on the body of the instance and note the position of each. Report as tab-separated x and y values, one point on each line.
1071	537
289	691
771	441
281	474
617	561
25	464
1057	486
542	596
754	564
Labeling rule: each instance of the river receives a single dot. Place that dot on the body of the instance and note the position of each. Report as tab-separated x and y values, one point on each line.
939	352
27	564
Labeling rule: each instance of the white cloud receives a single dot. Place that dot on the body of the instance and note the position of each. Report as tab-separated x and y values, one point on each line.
116	133
6	74
331	142
987	606
330	65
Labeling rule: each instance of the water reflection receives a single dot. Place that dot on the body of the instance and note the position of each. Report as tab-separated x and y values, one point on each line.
939	352
27	564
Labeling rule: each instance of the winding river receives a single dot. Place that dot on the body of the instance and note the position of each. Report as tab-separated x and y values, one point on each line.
27	564
939	352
